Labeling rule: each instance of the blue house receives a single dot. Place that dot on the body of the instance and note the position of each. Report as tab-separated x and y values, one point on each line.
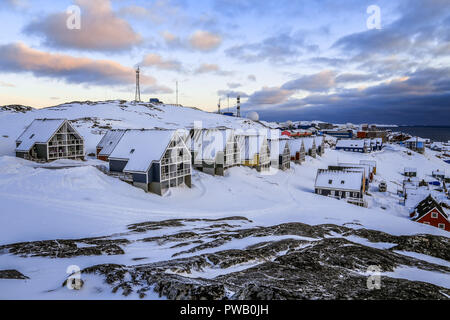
353	146
154	160
343	134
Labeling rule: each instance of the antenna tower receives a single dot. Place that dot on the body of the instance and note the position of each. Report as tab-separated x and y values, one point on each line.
137	97
238	107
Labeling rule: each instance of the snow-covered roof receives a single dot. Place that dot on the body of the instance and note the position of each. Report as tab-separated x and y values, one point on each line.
438	173
209	142
350	144
295	145
425	206
372	163
367	168
342	180
409	169
277	147
110	141
308	142
39	131
142	147
418	139
251	144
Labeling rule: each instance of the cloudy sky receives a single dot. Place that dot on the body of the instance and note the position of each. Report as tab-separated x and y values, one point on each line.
287	59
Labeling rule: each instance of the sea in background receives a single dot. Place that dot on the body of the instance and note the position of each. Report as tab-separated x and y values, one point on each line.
435	133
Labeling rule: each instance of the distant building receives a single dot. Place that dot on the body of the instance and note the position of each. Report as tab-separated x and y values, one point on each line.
416	144
255	151
352	146
440	175
155	101
348	185
214	150
48	140
343	134
431	213
154	160
280	154
108	143
410	172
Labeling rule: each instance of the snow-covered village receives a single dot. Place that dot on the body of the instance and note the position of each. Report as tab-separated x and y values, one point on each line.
149	195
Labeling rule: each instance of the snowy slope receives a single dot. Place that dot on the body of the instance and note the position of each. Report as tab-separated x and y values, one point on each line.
94	118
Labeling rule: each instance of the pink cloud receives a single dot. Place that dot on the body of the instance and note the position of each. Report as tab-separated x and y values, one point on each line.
101	29
18	57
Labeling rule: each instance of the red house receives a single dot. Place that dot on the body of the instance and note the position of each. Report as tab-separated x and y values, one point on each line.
430	212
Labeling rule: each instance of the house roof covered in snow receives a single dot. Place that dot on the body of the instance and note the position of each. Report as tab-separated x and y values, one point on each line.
277	147
416	139
295	145
410	169
142	147
251	144
341	180
209	142
429	203
309	142
367	168
438	173
372	163
39	131
350	144
110	141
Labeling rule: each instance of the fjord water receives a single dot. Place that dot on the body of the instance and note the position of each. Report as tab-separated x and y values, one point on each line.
435	133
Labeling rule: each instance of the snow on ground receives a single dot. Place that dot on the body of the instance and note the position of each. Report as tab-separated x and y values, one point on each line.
43	204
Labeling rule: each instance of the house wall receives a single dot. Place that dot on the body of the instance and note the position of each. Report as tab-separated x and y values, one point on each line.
41	150
139	177
153	174
117	165
435	221
22	155
327	192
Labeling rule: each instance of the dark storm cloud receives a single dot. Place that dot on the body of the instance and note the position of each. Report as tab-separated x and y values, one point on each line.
422	97
421	25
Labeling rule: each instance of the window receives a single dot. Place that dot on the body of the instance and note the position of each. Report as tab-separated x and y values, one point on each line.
319	191
332	192
347	194
441	226
31	137
434	215
330	181
132	151
342	181
426	223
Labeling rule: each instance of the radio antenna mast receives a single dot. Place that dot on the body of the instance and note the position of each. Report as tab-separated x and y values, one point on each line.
137	96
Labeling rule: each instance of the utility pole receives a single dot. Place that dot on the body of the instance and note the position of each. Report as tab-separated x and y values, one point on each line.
137	96
218	107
